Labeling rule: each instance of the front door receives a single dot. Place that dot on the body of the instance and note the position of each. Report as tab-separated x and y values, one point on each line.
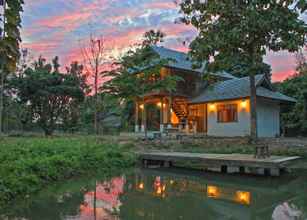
198	114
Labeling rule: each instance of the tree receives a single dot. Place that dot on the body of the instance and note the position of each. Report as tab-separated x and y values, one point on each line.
72	114
9	44
47	92
244	29
139	71
295	118
95	59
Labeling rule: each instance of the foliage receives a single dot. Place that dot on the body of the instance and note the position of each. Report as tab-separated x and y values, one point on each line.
9	46
231	31
109	108
47	92
72	113
139	71
296	86
28	164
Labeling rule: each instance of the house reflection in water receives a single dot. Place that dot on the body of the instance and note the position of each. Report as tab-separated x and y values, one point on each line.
162	188
104	203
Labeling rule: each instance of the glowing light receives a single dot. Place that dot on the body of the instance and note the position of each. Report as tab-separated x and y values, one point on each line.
243	197
159	104
159	190
172	182
163	188
142	106
141	186
212	191
164	105
212	107
244	104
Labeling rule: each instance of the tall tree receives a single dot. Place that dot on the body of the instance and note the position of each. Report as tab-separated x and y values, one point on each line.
47	92
244	29
95	59
295	118
72	114
9	43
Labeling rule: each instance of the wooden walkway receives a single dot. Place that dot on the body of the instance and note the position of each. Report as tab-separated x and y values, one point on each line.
226	163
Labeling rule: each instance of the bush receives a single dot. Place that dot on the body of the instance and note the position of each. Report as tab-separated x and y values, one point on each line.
27	164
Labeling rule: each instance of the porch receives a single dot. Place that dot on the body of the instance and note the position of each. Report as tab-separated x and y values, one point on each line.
169	113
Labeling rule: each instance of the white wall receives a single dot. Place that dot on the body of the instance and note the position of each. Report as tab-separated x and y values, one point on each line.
268	118
233	129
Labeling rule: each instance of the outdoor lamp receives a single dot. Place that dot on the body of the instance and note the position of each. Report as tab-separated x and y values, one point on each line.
244	103
212	106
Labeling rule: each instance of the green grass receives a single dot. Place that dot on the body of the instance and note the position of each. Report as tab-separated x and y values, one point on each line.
28	164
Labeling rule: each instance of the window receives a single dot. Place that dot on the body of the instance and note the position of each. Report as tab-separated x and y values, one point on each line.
227	113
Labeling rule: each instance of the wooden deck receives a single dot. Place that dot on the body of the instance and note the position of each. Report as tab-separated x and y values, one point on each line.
227	163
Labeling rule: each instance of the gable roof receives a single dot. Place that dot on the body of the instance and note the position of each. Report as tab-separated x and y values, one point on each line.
239	88
224	75
181	60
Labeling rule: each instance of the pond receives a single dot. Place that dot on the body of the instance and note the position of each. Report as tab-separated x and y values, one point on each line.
167	194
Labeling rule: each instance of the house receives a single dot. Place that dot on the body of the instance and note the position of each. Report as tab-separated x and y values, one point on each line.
218	109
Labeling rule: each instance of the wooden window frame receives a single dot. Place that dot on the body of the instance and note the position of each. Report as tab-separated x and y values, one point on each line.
232	113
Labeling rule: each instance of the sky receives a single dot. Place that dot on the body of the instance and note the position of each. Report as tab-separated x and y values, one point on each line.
62	27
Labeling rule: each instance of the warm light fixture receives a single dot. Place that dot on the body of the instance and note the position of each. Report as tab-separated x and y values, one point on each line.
141	186
244	103
212	191
243	197
159	104
212	106
142	106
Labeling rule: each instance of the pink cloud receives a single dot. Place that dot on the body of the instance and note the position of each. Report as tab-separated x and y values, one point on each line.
161	5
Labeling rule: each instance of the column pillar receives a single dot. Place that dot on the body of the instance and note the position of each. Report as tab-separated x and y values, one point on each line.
143	118
169	113
136	126
161	115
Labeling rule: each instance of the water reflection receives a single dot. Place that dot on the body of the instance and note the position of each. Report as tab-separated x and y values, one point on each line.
103	202
159	195
285	211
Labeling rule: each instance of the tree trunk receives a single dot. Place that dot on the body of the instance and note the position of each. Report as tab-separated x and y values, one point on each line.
96	100
305	106
1	99
253	108
48	132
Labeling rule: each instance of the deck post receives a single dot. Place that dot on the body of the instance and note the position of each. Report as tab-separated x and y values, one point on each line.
167	164
161	116
136	127
169	113
143	118
224	169
145	163
275	172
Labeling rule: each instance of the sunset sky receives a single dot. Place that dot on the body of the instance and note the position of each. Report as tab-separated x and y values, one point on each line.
59	27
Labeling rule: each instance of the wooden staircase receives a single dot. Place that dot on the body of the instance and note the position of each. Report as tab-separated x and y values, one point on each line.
180	108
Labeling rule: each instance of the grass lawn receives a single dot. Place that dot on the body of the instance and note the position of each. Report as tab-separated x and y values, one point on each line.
28	164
